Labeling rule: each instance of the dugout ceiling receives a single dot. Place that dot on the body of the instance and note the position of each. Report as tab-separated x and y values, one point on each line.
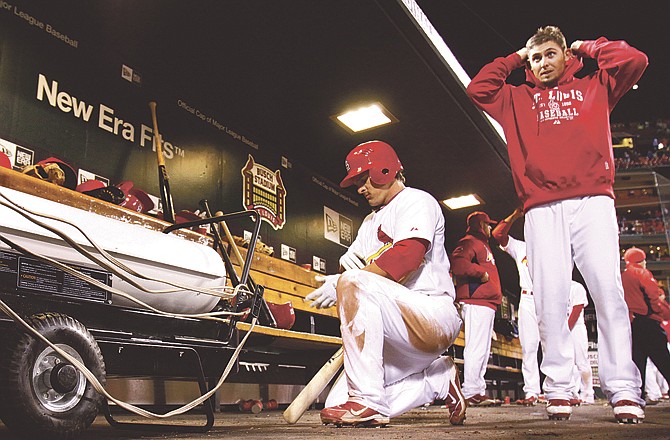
264	76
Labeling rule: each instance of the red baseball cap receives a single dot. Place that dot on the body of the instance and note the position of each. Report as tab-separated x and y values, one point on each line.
480	216
634	255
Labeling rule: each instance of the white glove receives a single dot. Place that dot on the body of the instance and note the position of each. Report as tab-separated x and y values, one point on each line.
352	260
325	296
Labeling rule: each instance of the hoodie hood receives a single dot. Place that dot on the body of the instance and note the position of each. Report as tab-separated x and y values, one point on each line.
572	66
634	265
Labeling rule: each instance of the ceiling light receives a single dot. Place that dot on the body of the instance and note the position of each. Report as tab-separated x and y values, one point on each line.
365	118
462	201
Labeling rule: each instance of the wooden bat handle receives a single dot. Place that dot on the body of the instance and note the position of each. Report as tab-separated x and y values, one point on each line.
231	240
315	386
157	136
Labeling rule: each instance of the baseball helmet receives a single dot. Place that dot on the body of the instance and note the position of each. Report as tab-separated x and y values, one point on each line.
70	175
376	157
634	255
136	199
96	188
4	160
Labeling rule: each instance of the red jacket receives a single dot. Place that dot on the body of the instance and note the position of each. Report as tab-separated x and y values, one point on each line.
641	292
469	261
559	139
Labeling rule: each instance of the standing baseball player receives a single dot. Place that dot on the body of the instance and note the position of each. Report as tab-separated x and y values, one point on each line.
560	149
582	373
529	334
644	299
655	385
479	293
395	300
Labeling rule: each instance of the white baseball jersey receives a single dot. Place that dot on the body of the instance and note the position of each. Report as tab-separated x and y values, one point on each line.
412	213
517	250
577	297
393	333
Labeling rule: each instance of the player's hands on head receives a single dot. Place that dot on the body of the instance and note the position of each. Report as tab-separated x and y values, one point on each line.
326	295
352	260
523	53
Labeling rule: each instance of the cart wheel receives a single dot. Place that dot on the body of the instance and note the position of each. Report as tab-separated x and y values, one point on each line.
43	395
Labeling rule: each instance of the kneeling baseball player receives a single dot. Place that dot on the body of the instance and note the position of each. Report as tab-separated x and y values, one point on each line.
395	301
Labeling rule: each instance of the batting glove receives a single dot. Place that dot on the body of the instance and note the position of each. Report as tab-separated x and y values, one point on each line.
352	260
325	296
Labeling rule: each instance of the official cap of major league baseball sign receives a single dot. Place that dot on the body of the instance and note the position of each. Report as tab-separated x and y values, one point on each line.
480	216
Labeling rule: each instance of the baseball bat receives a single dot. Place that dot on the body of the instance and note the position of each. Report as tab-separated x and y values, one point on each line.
231	240
163	180
268	318
315	386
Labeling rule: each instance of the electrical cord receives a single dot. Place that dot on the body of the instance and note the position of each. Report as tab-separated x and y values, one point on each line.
101	389
26	213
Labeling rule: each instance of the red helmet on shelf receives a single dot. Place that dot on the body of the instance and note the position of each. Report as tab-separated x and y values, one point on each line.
376	157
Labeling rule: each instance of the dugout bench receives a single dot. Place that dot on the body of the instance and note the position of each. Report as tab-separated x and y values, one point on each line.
270	356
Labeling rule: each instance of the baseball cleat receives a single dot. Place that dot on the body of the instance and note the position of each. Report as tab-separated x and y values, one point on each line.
353	413
455	400
588	401
529	401
627	411
559	409
481	400
575	402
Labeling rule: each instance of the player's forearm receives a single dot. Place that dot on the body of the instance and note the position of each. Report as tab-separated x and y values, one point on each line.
574	315
501	232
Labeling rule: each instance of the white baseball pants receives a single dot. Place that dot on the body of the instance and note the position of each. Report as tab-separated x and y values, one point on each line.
583	230
478	332
583	375
392	339
529	336
655	384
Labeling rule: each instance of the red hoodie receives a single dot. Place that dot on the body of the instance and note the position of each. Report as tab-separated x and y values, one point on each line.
641	292
469	261
559	139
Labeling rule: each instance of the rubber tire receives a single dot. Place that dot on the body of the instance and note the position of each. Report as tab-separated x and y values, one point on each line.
20	409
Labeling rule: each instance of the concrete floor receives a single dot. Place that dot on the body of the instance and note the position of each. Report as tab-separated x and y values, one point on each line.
506	422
